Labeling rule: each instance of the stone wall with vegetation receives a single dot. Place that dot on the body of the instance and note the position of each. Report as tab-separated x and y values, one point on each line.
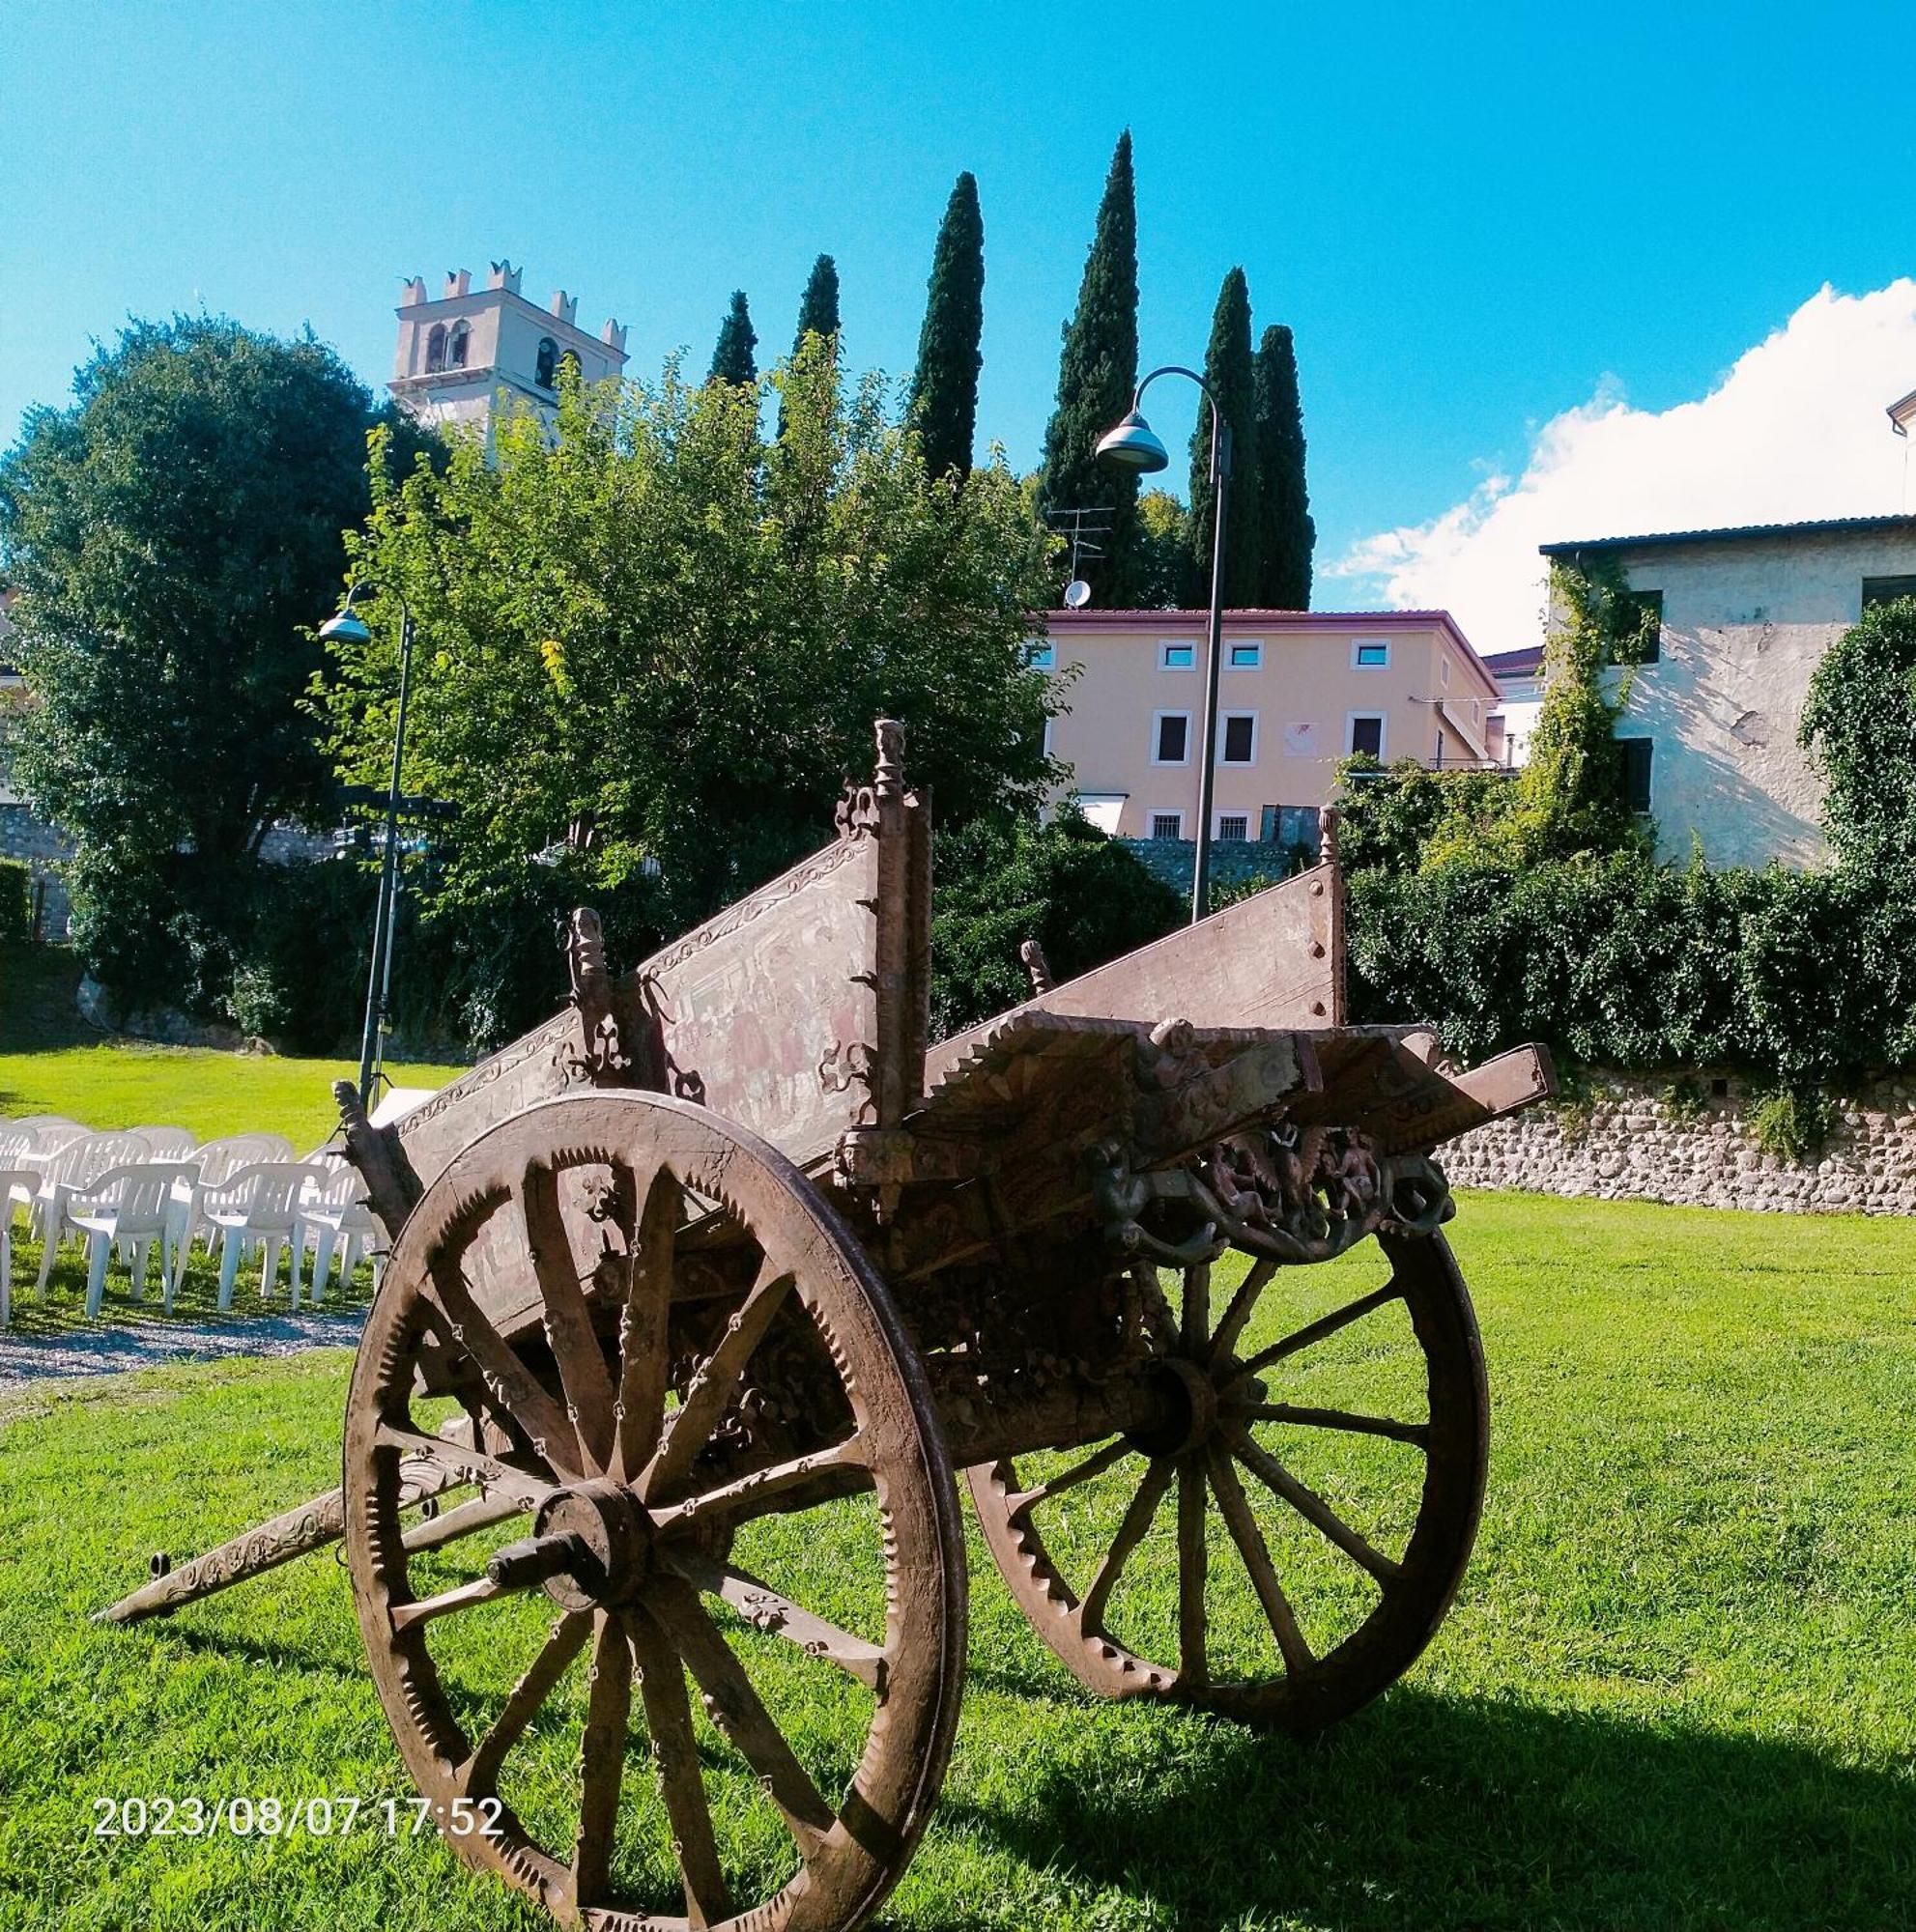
1713	1142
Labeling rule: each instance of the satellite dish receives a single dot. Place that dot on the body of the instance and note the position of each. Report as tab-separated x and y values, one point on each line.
1077	594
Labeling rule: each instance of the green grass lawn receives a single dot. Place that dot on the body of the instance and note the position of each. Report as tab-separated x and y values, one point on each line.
51	1062
1678	1688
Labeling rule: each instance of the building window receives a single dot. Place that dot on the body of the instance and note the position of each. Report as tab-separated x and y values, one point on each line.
1232	827
1370	654
1636	773
1040	654
456	345
1238	744
1246	657
435	349
1444	671
1167	824
546	373
1177	657
1879	590
1365	735
1170	738
1639	624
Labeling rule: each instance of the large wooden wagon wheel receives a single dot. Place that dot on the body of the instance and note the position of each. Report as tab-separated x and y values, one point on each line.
1288	1545
705	1356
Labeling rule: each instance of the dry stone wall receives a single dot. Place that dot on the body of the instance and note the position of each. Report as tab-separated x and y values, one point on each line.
1625	1140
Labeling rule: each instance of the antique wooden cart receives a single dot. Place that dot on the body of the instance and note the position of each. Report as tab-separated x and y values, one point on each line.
701	1293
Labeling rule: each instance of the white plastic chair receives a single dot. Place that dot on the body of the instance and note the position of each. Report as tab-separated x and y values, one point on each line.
76	1167
15	1183
41	1120
211	1164
128	1208
335	1217
258	1208
169	1142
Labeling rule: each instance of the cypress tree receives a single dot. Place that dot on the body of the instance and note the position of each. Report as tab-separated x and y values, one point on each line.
1227	368
1289	533
731	360
1097	373
944	388
818	306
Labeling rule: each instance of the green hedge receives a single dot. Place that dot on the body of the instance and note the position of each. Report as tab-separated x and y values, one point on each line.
1799	977
15	901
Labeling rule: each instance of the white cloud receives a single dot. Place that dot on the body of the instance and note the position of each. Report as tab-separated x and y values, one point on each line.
1795	430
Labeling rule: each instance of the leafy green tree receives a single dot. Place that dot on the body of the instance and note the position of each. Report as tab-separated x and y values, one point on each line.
653	646
1859	727
1227	368
732	358
944	390
1289	533
174	534
1084	897
818	306
1097	374
1164	529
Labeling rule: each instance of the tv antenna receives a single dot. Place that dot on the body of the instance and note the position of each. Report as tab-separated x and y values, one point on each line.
1082	528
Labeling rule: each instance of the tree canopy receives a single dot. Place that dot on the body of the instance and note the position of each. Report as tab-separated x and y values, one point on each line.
1227	368
944	390
732	358
1097	373
1859	727
818	306
652	643
175	534
1289	534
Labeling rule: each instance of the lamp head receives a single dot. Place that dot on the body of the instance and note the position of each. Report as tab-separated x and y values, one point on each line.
1133	445
347	627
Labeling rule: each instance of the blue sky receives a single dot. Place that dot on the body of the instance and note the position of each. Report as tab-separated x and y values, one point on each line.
1471	217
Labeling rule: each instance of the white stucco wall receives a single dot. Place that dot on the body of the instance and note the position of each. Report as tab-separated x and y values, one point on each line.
1745	622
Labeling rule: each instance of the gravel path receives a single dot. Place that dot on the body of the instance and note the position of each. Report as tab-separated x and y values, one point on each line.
110	1351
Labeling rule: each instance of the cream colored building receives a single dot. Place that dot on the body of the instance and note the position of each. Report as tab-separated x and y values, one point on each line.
463	355
1298	691
1709	731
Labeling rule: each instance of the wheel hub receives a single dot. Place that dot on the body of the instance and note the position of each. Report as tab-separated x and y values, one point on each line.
1188	1416
596	1544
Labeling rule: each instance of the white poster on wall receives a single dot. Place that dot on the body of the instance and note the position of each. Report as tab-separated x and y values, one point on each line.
1301	741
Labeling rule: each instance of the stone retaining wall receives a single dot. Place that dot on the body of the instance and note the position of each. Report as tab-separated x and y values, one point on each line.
1631	1143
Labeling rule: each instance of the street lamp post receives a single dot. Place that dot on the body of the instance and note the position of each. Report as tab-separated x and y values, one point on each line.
349	627
1135	446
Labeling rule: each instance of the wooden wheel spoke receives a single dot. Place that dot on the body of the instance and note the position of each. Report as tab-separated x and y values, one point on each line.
1236	1511
642	1342
1224	1337
1345	1419
765	1610
742	1496
602	1758
478	1776
509	1382
1194	1325
462	1597
575	1345
1139	1518
1315	1510
739	1712
691	1426
681	1785
1313	1332
466	1465
1026	1500
1194	1666
464	1520
1157	1316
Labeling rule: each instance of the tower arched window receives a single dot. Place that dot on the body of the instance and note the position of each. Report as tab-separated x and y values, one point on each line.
435	349
456	346
547	375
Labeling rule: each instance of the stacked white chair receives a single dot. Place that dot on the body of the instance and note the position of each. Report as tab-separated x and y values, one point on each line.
337	1218
259	1208
72	1171
169	1142
214	1162
131	1207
